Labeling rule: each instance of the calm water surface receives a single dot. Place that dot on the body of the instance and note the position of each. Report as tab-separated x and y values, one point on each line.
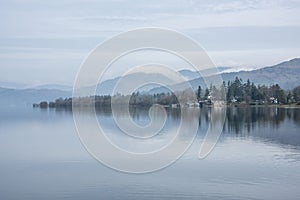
257	157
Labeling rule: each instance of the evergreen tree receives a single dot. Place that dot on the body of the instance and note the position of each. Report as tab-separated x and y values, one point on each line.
206	93
199	93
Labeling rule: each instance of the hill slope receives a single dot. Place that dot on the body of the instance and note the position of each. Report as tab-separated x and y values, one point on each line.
286	74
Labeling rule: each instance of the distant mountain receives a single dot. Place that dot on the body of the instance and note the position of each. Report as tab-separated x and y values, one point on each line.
16	97
286	74
54	87
106	87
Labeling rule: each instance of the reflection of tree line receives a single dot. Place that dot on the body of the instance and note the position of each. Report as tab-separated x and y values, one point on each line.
259	122
240	121
249	118
237	118
246	118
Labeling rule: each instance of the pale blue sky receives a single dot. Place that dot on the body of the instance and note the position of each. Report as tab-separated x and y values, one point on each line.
46	41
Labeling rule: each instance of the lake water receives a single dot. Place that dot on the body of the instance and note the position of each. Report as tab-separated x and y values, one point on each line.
256	157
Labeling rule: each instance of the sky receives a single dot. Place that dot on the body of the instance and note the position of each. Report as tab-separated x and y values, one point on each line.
45	42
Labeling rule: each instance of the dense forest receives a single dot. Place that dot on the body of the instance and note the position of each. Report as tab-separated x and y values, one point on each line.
238	91
233	92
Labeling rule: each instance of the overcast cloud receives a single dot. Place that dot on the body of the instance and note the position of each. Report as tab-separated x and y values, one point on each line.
46	41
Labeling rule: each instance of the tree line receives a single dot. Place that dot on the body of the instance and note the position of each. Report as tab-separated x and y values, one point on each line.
238	91
235	91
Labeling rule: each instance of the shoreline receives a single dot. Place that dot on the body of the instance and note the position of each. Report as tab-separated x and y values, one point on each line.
294	105
241	105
